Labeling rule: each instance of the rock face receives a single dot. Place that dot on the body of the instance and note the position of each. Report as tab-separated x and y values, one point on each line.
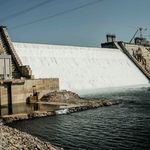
69	98
12	139
63	96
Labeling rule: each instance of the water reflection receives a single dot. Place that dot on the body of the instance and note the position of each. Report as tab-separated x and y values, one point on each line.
25	108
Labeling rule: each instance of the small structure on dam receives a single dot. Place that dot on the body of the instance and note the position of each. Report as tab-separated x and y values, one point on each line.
5	67
44	68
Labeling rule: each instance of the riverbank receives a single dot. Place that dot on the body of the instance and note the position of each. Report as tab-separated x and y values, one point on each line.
64	100
64	108
13	139
25	116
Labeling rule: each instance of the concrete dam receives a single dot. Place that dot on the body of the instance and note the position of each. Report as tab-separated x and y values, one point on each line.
80	68
30	70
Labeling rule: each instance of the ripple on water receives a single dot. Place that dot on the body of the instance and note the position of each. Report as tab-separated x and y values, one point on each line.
122	127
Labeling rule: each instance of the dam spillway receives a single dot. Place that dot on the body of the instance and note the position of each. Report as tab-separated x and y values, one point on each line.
80	68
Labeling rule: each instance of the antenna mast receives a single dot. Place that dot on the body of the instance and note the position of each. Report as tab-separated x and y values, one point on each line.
140	29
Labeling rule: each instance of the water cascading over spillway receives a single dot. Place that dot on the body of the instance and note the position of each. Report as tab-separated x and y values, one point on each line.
80	68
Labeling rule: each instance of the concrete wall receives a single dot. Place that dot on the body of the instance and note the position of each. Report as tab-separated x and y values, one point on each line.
3	95
22	89
80	68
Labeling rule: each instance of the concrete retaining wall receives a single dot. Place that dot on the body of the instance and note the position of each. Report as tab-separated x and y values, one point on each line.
22	89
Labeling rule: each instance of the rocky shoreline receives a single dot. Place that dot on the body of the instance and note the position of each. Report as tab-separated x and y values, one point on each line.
71	108
25	116
92	105
13	139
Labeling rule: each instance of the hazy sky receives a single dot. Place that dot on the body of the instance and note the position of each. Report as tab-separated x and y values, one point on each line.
74	22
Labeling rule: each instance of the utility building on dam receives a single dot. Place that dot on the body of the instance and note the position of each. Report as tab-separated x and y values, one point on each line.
64	67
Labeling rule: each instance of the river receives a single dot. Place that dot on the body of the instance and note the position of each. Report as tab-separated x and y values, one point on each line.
122	127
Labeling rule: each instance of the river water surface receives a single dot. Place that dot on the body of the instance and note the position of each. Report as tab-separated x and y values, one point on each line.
122	127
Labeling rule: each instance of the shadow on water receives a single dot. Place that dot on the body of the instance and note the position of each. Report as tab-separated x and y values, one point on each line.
24	108
16	108
120	127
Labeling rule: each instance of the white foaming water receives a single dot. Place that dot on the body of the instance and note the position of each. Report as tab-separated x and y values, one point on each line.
80	68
